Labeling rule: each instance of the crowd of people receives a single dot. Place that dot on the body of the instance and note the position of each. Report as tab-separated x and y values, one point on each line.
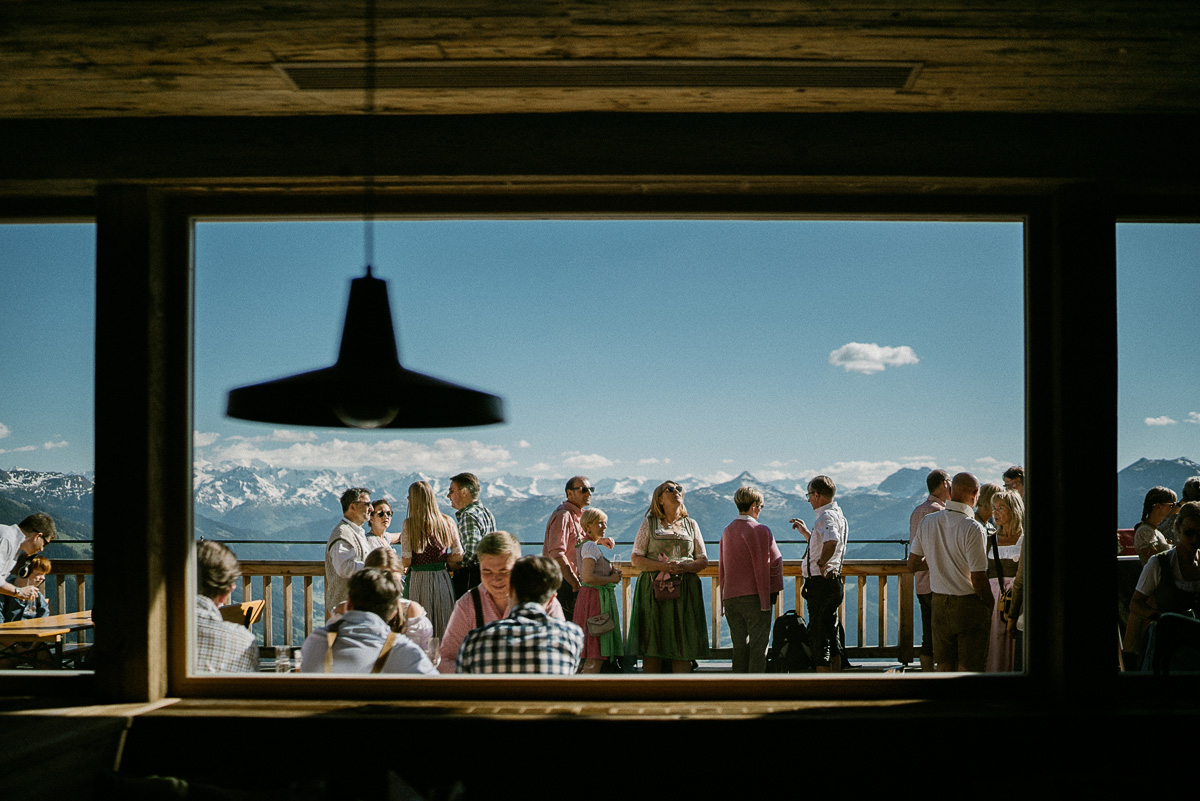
413	600
966	550
459	597
1167	542
455	595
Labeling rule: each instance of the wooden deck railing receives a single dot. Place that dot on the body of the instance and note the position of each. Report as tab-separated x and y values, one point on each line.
885	586
67	585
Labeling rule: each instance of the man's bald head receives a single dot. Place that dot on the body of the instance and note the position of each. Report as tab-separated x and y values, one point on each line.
964	488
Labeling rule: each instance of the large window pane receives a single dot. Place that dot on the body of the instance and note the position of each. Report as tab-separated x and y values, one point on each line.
710	352
1158	268
47	280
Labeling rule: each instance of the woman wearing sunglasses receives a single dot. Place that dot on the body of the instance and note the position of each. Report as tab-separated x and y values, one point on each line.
666	626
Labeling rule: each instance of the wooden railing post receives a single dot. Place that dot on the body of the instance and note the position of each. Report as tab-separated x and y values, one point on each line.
308	605
287	610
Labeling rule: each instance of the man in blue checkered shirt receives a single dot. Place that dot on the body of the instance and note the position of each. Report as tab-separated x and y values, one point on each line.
528	640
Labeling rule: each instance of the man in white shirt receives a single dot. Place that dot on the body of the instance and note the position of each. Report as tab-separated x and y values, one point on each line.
938	484
952	546
347	546
28	537
822	570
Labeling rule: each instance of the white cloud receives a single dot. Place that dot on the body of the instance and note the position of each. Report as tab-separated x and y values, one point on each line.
22	449
586	461
719	477
1160	421
62	443
1193	417
988	461
860	357
848	475
278	435
443	456
524	444
540	467
652	460
724	461
285	435
863	473
4	431
202	439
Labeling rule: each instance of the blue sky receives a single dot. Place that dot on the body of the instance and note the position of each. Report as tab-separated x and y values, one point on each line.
651	348
47	342
1158	268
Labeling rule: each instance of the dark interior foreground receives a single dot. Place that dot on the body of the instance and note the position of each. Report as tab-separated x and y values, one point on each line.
143	116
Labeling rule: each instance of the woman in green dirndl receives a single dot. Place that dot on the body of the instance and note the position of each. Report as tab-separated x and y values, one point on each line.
666	626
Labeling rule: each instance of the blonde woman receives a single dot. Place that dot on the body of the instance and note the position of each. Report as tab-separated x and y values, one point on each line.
429	544
1008	510
983	508
668	633
597	592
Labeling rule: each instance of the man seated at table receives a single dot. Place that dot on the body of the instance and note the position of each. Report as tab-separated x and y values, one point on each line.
497	553
221	646
31	574
528	640
362	640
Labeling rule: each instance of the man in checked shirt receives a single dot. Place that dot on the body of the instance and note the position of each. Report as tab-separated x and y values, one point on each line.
474	521
528	640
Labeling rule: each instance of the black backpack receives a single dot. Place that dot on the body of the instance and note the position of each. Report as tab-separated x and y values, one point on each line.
790	651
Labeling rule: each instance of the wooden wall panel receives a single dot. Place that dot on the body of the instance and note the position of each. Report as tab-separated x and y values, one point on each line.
200	58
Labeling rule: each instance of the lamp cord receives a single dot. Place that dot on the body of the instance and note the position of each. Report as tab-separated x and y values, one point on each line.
370	43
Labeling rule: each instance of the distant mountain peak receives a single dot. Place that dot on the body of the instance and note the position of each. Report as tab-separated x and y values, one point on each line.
906	482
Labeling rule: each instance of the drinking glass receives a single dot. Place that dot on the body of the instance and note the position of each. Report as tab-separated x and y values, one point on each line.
433	650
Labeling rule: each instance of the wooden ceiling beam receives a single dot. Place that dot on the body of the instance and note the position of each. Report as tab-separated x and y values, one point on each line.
1127	150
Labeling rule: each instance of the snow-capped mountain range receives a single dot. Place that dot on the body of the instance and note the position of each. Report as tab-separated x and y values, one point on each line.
259	502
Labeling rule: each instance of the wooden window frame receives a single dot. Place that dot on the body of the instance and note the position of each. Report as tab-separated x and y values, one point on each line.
144	260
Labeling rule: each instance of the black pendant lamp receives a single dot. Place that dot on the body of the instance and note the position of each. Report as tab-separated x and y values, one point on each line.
339	396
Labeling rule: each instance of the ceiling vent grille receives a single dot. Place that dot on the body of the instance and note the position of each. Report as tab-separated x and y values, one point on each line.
560	74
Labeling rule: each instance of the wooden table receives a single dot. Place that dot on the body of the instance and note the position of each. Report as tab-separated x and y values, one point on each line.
47	636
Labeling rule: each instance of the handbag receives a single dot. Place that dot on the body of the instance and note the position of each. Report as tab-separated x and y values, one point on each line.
667	586
1004	602
600	624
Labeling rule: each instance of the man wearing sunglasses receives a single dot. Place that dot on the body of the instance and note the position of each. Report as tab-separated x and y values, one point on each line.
563	533
29	537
